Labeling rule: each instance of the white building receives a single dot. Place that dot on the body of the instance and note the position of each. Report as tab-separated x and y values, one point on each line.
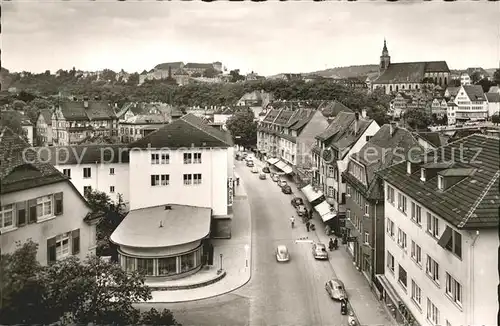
441	236
92	167
471	103
465	79
493	103
346	135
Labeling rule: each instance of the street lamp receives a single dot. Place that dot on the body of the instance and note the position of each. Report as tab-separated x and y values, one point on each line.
220	270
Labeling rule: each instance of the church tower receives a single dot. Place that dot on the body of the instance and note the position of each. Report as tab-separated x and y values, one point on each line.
385	59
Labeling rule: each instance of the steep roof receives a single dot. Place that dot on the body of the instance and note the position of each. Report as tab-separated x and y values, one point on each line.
300	118
73	110
187	131
271	115
374	156
84	154
284	117
145	119
474	92
493	97
410	71
494	89
99	110
173	65
20	168
332	108
471	203
47	116
453	91
433	138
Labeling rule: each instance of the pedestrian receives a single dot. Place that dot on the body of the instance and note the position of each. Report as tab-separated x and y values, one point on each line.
307	226
237	181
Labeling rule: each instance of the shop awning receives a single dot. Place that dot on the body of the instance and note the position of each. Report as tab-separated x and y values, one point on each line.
328	216
272	160
323	208
283	167
388	288
310	194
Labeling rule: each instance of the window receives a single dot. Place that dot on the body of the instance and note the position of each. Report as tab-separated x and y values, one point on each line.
188	179
62	246
111	171
155	158
440	182
416	293
402	202
86	172
188	158
453	289
402	276
155	180
167	266
44	207
367	238
112	189
197	158
165	179
165	158
432	313
129	263
454	243
432	225
197	178
67	172
331	191
416	253
402	239
145	265
87	190
187	262
7	216
390	261
330	171
348	190
432	269
390	194
416	213
390	228
367	209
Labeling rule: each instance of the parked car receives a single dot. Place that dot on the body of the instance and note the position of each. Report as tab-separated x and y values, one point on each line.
262	176
275	178
319	251
282	183
296	201
282	254
250	164
336	289
286	190
301	210
255	169
265	169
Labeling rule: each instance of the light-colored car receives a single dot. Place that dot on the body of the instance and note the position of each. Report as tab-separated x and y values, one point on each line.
301	210
282	183
262	176
250	163
282	254
336	289
319	251
255	169
275	178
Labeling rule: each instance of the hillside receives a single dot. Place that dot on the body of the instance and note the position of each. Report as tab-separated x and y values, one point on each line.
344	72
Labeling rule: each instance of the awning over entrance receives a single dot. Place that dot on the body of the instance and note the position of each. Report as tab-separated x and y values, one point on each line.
310	194
324	210
272	160
388	288
283	167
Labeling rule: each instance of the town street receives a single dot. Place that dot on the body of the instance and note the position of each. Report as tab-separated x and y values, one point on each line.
290	293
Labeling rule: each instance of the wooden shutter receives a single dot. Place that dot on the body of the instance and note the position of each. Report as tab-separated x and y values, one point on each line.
58	198
32	211
75	242
51	250
21	213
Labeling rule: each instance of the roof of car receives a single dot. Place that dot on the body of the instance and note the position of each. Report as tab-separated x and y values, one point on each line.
282	247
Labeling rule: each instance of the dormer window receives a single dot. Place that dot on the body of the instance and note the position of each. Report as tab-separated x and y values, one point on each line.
440	182
422	174
408	167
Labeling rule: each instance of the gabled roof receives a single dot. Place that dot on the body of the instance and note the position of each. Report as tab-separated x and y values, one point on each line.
494	89
375	155
188	131
125	108
145	119
20	168
284	117
173	65
410	71
471	203
493	97
47	116
99	110
84	154
300	118
433	138
474	92
453	91
271	115
332	108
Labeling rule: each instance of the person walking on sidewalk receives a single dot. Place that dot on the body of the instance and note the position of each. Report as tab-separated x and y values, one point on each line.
307	225
292	220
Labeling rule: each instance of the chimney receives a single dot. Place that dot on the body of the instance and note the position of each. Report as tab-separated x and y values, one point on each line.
363	113
168	207
356	119
85	103
393	127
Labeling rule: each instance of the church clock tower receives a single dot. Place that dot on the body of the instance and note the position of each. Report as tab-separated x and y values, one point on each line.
385	59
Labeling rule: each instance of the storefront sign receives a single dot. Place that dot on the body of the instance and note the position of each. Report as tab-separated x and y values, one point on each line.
230	191
352	239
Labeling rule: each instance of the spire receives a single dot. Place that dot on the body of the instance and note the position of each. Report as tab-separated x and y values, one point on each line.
385	45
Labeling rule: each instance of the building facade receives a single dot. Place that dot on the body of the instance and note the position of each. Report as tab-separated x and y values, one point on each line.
493	103
441	236
44	128
471	104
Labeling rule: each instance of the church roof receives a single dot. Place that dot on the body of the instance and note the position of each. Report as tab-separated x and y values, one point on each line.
410	72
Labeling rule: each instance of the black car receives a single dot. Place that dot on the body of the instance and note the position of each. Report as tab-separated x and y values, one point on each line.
265	169
286	190
297	201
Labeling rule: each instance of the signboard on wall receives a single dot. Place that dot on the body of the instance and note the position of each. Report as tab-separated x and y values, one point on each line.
230	191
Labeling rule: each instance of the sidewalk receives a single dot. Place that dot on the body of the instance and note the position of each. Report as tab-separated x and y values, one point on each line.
236	258
365	305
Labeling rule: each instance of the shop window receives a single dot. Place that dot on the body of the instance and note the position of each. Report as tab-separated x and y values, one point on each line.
167	266
187	262
129	263
145	266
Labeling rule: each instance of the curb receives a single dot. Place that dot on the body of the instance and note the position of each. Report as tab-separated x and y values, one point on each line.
189	286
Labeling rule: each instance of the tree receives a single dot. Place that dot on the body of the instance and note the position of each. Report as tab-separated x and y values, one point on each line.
210	73
41	104
496	77
18	105
243	128
113	215
14	121
475	77
495	119
108	75
154	317
25	96
133	79
417	118
485	84
196	75
235	76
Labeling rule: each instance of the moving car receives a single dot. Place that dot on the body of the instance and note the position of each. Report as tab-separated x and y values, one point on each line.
265	169
250	163
336	289
275	178
319	251
301	210
262	176
286	190
282	183
296	201
282	254
255	169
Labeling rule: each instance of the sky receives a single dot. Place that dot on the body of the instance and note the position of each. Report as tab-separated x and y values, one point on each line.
268	37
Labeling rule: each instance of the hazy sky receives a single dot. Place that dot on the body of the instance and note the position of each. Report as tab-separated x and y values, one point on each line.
268	37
